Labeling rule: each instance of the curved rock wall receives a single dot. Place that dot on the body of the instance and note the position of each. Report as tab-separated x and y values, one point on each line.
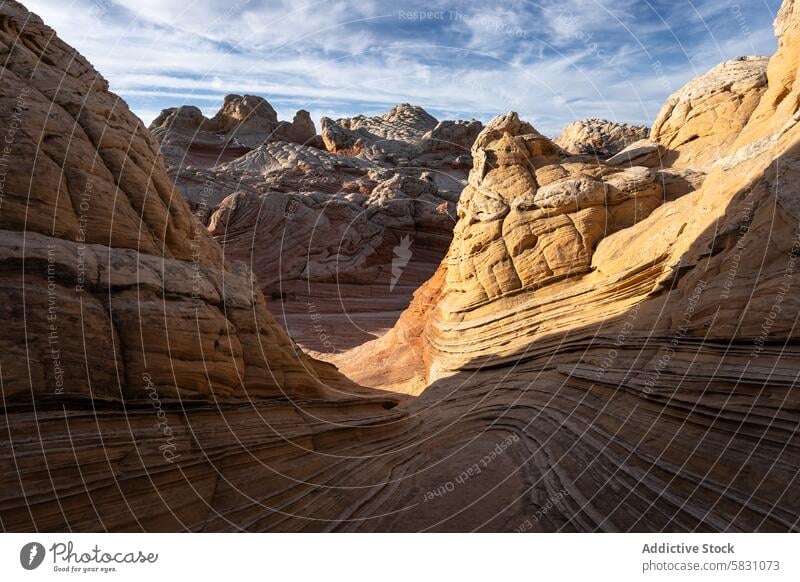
648	368
108	277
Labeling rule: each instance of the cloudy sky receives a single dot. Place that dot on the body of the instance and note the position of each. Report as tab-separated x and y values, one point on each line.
553	61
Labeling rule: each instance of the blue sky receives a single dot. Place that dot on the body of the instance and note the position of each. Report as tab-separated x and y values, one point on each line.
553	61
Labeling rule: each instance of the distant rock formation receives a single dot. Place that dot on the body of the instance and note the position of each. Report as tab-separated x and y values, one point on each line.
407	135
188	138
320	232
394	134
451	136
599	137
320	229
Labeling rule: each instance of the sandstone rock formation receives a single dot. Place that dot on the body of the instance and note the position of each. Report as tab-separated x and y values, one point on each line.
339	243
599	137
119	306
407	135
596	358
643	152
701	121
394	133
666	348
188	138
530	217
339	266
674	181
112	256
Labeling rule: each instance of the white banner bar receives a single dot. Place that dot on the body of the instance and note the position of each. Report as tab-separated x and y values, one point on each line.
400	557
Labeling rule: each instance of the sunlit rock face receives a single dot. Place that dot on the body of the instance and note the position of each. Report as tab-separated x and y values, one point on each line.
531	217
700	121
643	332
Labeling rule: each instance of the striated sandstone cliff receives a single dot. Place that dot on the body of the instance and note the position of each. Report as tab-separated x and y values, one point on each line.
126	337
338	244
90	217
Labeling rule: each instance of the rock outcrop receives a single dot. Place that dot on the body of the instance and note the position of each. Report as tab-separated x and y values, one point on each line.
699	122
100	250
655	357
599	137
121	314
339	243
339	266
395	134
530	217
188	138
407	135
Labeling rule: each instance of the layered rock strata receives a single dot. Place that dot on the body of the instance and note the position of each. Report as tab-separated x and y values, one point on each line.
90	216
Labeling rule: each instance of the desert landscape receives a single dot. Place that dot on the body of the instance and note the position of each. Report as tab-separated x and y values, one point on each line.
397	322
